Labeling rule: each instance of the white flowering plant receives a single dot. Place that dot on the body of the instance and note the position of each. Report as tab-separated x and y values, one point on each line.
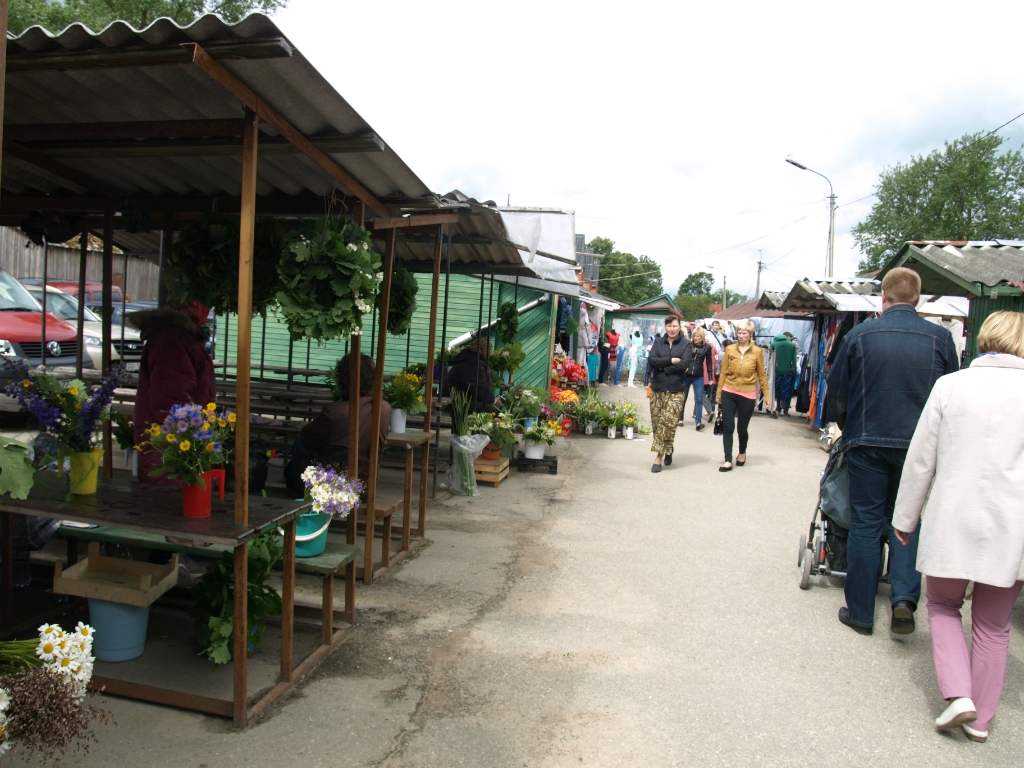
331	492
331	277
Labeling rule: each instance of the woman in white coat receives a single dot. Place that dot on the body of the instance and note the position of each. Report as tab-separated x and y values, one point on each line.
964	473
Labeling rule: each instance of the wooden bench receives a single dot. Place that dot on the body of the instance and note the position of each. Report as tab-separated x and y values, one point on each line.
336	556
383	510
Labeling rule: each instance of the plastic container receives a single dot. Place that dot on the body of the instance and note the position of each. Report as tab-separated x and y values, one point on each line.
311	534
529	422
398	417
195	499
534	450
120	630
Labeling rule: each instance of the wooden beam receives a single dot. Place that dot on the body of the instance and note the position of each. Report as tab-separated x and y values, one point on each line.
424	220
148	56
200	147
240	631
243	344
58	169
108	309
435	287
240	91
4	6
137	129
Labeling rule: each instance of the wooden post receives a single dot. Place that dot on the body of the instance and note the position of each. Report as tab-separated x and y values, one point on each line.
3	61
108	308
243	345
82	261
435	289
354	361
240	697
7	551
288	602
378	392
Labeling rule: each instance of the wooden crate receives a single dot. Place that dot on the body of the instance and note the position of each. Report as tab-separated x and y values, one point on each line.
491	470
119	581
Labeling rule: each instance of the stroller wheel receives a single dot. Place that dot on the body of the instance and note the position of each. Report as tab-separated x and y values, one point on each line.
800	552
805	569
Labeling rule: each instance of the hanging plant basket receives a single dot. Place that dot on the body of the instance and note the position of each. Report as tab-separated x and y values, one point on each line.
508	323
203	264
402	304
331	276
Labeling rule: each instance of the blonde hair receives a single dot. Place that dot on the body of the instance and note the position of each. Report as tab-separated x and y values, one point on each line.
902	286
1002	332
699	332
746	325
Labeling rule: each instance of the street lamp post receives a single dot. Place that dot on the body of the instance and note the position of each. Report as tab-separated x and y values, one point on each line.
831	212
723	286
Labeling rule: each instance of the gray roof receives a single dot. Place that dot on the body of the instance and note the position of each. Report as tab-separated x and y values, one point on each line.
772	299
821	295
962	268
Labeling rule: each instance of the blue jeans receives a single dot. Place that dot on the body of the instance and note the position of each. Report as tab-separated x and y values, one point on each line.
874	480
697	382
618	366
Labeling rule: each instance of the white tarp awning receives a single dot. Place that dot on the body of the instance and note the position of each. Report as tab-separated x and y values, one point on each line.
550	234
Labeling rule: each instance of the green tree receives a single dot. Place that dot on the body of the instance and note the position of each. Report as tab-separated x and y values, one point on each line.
623	276
967	191
732	296
697	284
693	307
97	14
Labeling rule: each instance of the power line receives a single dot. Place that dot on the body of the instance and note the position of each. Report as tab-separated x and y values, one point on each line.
623	277
748	242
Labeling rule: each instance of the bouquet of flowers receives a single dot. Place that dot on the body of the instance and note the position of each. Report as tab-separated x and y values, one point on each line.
191	441
498	428
568	397
568	371
543	432
524	402
331	492
71	413
405	391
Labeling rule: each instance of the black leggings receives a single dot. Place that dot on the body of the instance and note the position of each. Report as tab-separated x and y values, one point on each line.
733	406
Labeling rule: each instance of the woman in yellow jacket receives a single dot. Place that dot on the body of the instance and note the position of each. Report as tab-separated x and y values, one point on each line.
742	368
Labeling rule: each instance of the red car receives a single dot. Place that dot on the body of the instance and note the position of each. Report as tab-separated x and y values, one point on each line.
21	330
93	291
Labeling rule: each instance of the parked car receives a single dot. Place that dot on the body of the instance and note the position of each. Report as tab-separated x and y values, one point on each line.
21	330
120	312
93	291
126	343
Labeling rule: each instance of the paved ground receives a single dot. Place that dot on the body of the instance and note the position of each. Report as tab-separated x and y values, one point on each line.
605	616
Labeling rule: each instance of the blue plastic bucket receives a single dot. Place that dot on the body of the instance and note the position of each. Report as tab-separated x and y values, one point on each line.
529	422
120	630
311	535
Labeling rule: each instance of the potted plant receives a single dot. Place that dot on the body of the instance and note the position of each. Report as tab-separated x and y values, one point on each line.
507	325
539	437
588	411
333	496
507	360
72	414
191	443
402	304
524	403
568	401
480	424
629	419
404	394
214	598
609	420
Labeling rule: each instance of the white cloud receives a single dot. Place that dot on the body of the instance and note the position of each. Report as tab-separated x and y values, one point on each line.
665	126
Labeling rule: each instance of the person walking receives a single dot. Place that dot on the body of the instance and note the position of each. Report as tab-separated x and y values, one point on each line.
742	369
635	343
700	368
670	356
964	472
880	380
785	372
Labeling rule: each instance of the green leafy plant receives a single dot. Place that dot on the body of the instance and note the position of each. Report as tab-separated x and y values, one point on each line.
331	274
508	323
124	430
543	432
607	417
448	355
402	304
499	428
17	475
405	391
571	327
417	369
461	403
524	402
214	608
509	358
588	409
203	264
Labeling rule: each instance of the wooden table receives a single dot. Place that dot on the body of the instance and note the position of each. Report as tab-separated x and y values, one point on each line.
125	503
411	440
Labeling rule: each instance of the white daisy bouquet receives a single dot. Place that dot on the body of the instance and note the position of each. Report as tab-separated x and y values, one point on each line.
331	492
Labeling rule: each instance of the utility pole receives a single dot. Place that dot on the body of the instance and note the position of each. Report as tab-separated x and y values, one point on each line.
831	229
724	305
760	269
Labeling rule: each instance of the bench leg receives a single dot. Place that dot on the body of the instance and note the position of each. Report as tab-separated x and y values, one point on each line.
327	614
385	546
288	603
368	546
350	593
407	505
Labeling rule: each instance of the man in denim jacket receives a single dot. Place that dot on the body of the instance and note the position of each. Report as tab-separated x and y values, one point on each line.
877	388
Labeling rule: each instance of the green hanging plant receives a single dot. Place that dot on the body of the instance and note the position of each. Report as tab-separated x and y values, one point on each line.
203	263
508	322
402	304
331	275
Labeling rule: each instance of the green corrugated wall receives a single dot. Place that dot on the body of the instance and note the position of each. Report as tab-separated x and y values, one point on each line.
464	305
980	308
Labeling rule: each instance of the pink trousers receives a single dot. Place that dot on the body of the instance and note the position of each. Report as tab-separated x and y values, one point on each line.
980	673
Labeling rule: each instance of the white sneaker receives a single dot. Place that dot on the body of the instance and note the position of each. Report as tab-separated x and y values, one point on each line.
974	735
959	712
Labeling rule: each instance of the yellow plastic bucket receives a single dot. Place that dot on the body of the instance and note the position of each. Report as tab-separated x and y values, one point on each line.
85	470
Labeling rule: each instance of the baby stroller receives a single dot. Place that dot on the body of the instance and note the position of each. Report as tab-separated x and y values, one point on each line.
823	550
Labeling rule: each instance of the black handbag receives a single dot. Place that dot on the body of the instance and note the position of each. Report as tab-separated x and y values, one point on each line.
719	421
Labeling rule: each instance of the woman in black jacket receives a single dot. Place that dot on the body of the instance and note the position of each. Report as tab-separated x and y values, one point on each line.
470	372
670	358
700	368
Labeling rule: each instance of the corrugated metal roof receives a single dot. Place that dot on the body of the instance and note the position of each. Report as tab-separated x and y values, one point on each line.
181	91
772	299
753	308
819	295
962	267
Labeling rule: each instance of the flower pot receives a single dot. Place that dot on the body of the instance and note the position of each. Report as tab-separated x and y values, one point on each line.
311	534
506	376
534	450
588	428
491	452
529	422
120	630
566	426
611	433
398	420
85	466
627	432
195	499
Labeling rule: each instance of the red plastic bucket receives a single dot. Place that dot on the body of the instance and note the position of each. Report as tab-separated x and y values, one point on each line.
195	499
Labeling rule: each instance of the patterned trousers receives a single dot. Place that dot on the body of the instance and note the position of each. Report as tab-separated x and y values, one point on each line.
665	410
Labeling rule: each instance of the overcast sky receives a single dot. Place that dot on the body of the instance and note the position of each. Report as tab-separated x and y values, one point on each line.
665	127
